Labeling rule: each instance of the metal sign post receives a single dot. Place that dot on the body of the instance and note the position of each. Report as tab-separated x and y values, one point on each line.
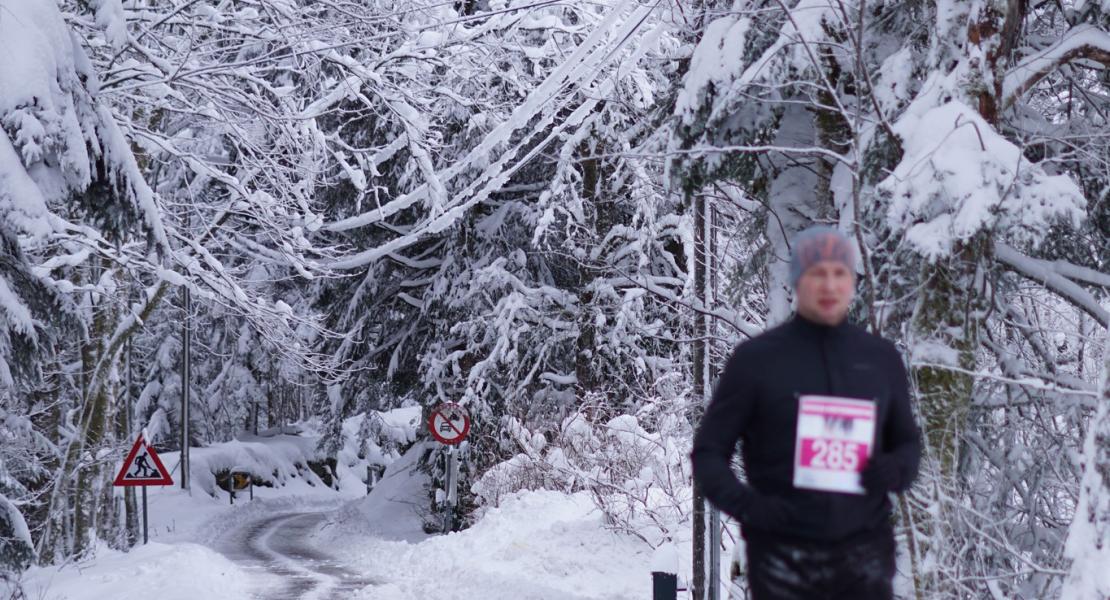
714	582
186	377
146	537
449	423
451	475
142	467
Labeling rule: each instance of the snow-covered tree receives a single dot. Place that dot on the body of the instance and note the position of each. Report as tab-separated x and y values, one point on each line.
937	135
1089	537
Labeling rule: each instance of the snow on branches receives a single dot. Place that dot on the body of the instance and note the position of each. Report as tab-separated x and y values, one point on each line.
1088	542
958	177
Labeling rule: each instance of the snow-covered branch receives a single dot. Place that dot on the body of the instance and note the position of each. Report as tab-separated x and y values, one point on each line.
1057	276
1082	43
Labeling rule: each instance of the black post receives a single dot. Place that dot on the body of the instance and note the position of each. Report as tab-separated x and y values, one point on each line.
146	538
231	492
664	586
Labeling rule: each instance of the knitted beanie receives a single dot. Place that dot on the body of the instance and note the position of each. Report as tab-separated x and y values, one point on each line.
817	244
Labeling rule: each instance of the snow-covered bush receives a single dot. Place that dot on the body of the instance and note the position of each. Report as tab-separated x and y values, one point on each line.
635	466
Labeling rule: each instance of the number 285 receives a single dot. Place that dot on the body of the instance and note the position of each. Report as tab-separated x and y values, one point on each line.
835	455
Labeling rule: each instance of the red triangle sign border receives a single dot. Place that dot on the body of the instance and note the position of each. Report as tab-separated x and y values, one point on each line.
164	475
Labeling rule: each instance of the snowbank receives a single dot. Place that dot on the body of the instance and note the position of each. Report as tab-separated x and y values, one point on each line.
164	571
275	458
396	508
537	545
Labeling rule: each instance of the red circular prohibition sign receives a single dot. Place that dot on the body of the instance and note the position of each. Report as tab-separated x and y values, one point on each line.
442	423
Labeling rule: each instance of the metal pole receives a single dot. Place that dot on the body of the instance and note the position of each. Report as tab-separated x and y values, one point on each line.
713	539
453	482
701	385
714	583
448	509
711	265
129	492
146	538
185	378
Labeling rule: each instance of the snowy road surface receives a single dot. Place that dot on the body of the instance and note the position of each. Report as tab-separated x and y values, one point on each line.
289	566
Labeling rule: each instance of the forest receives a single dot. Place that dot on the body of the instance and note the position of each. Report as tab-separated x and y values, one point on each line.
562	215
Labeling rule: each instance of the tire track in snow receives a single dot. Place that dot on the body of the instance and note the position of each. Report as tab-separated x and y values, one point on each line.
279	547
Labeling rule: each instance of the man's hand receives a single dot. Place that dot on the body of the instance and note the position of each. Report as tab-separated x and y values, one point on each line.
882	474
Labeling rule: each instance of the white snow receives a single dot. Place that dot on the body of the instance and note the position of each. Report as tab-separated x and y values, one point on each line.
713	63
181	571
393	511
1027	73
1088	543
48	100
15	520
958	176
537	545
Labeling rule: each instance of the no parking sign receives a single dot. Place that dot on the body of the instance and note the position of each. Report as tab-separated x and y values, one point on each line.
449	423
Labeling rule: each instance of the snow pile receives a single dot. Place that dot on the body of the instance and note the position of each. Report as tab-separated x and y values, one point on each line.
164	571
275	457
397	507
271	461
538	545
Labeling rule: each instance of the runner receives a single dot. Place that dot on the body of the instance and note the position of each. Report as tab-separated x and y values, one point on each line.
815	526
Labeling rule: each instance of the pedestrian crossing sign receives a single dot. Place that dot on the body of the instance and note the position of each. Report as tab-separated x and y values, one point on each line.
143	467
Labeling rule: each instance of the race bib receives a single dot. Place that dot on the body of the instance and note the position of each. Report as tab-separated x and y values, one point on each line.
834	440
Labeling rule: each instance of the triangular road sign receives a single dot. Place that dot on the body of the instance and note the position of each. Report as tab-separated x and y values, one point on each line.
143	467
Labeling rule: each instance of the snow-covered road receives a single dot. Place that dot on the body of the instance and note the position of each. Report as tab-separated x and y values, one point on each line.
304	541
279	550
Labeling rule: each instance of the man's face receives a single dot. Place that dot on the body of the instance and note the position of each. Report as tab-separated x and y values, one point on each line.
825	291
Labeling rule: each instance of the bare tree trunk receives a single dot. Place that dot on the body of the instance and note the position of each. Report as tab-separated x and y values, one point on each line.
94	420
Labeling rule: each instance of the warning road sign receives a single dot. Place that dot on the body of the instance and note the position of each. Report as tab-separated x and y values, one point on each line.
143	467
449	423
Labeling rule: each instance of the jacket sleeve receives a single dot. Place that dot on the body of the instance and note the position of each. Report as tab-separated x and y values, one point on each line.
901	436
724	421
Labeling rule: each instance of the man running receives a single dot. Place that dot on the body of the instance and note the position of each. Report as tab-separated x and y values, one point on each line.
815	511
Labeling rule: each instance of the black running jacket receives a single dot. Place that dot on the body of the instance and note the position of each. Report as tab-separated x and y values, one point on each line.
756	402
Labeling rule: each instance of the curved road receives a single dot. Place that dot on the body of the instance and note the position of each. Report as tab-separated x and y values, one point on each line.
278	547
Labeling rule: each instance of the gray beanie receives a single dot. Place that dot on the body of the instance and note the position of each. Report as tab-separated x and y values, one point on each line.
817	244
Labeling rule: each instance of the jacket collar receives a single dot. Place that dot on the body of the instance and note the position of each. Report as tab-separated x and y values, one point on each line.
811	329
